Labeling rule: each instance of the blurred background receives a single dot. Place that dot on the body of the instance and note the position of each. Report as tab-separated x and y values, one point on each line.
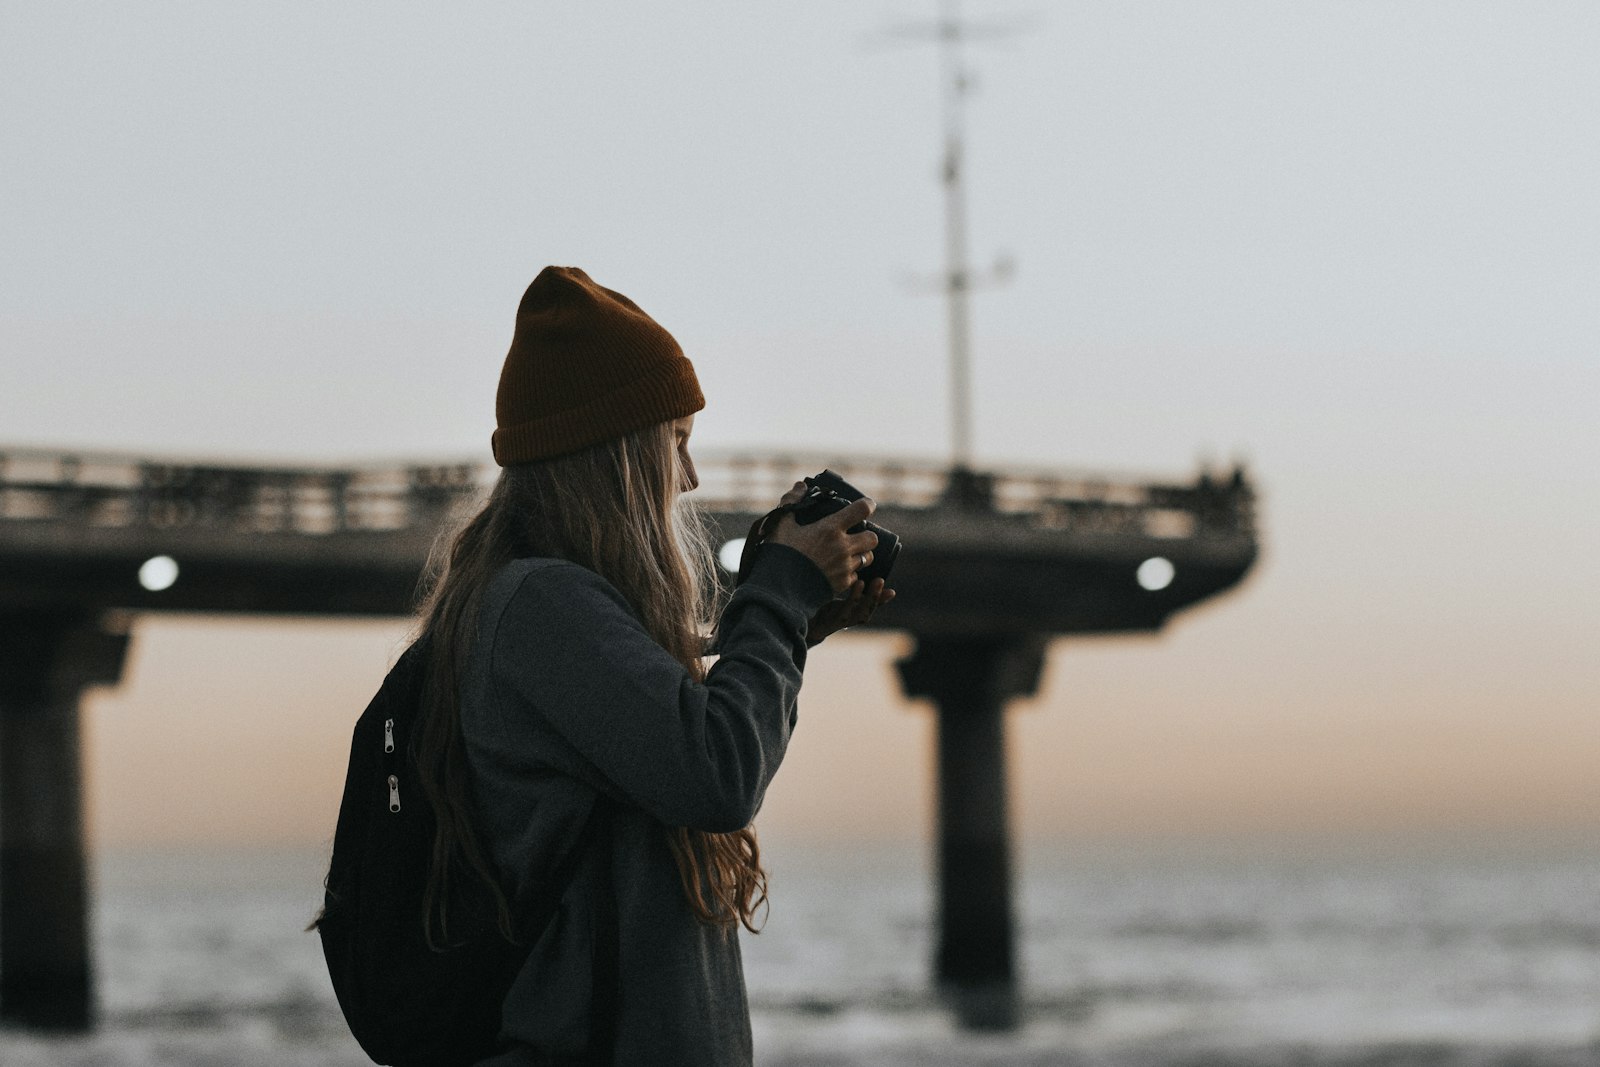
1345	812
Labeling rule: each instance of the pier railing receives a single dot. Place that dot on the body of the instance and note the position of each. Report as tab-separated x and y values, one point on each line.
108	490
101	490
1046	497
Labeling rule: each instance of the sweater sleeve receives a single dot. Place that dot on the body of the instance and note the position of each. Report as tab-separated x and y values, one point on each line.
569	650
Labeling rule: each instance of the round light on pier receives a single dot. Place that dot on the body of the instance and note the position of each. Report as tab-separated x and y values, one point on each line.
1156	573
728	555
158	573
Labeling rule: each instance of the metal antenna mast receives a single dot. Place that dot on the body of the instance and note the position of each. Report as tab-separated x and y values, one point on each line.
958	279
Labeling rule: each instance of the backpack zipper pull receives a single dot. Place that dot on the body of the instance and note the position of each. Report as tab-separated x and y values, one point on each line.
394	793
388	735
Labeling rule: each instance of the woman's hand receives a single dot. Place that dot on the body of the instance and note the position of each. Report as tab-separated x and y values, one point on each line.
853	610
836	553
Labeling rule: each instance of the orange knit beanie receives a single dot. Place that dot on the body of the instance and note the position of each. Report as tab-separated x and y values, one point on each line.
585	366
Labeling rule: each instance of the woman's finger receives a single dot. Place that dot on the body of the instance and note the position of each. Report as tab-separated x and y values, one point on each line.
865	541
852	513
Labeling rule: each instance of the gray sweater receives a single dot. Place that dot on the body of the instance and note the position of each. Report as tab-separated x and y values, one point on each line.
565	695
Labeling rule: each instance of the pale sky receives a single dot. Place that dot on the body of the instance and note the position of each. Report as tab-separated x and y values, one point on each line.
1355	244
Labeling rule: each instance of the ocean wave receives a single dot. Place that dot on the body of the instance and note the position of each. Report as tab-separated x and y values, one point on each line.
894	1028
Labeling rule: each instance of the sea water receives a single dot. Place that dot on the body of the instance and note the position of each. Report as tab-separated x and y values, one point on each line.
1170	955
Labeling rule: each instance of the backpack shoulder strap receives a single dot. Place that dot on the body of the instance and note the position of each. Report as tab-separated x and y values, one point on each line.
606	963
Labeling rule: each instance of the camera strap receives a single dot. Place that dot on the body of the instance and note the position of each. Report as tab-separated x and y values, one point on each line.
760	530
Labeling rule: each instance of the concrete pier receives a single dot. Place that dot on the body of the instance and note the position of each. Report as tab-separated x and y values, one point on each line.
46	660
997	562
971	679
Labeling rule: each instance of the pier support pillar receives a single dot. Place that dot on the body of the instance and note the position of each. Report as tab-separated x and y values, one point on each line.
46	660
971	679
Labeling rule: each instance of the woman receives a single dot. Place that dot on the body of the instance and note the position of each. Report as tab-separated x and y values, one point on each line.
577	745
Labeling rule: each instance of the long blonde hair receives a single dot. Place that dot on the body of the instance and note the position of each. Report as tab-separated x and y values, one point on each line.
611	508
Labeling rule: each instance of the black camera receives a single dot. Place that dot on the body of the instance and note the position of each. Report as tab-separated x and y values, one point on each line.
827	493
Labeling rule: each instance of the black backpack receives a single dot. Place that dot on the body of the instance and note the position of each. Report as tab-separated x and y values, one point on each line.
407	1004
